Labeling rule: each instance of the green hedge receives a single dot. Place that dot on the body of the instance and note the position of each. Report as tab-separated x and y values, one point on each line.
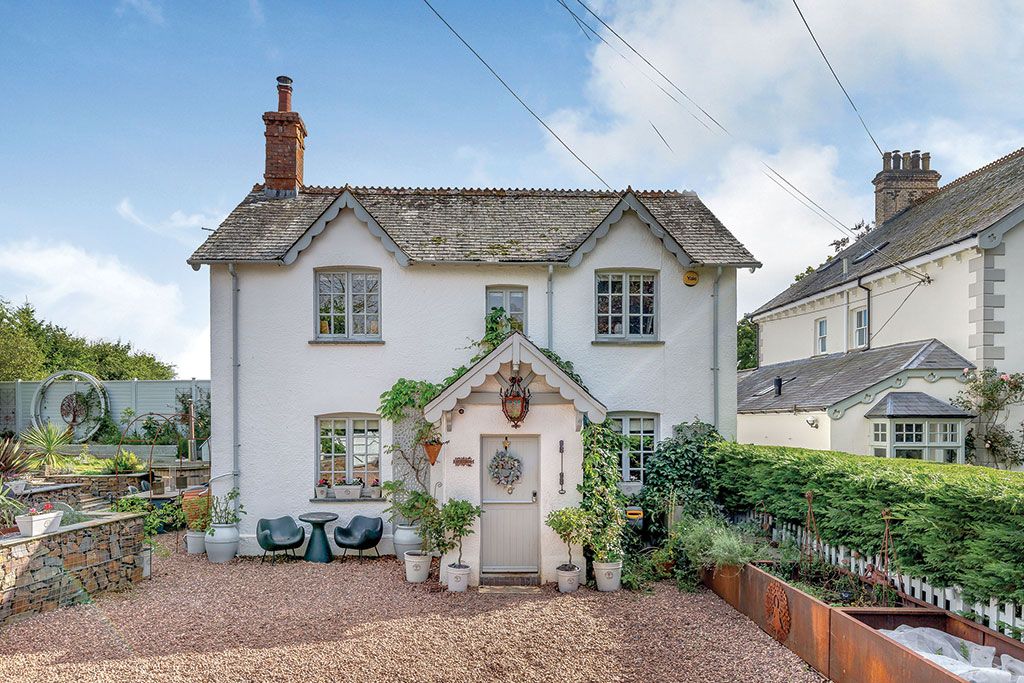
952	524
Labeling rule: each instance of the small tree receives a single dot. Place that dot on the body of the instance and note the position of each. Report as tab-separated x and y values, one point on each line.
989	394
46	442
453	522
572	526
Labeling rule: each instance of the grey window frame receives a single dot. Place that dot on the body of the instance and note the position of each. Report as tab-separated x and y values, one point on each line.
819	337
506	298
625	274
624	464
348	272
350	468
857	329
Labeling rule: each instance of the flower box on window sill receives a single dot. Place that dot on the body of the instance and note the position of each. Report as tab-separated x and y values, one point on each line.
347	491
628	342
351	342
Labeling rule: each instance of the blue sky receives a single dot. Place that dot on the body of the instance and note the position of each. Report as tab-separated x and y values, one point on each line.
130	124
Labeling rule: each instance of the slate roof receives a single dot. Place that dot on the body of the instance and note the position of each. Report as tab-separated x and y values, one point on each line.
957	211
913	404
485	225
820	381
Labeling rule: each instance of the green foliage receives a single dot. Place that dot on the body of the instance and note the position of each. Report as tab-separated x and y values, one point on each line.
746	344
125	462
45	443
31	348
406	393
641	570
680	473
709	543
10	507
952	524
444	529
14	461
601	497
989	394
225	509
151	523
573	526
407	504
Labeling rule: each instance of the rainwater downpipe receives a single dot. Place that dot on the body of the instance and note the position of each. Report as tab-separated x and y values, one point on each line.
714	342
551	299
235	467
868	309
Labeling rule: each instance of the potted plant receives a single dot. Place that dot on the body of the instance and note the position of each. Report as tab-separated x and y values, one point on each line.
323	487
412	507
373	490
350	489
14	464
39	521
572	526
606	542
446	529
222	536
197	519
429	436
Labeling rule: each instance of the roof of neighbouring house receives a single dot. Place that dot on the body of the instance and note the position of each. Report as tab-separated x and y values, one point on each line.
471	225
914	404
957	211
820	381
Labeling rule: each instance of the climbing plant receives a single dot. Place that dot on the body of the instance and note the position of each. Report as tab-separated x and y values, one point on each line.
599	488
990	394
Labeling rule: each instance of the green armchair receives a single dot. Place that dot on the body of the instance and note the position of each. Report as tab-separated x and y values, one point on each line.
280	534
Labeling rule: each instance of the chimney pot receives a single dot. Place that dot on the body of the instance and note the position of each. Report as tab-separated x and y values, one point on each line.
926	161
284	93
896	160
906	161
915	160
887	161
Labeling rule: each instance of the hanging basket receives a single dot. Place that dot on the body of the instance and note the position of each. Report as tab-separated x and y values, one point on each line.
432	450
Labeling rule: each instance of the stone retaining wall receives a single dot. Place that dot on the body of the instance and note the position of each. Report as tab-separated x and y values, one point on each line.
71	494
102	485
70	565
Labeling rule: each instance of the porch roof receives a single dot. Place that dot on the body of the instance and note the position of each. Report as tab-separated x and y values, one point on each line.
516	350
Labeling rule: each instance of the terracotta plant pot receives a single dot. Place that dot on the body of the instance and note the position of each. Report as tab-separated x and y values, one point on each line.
432	450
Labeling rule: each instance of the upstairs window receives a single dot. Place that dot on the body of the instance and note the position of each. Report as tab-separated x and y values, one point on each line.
821	335
639	430
860	328
626	306
348	304
512	300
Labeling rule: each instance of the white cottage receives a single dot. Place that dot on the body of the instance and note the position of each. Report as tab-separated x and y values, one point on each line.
321	298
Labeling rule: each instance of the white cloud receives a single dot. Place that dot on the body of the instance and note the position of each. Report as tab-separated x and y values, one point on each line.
180	226
98	296
148	9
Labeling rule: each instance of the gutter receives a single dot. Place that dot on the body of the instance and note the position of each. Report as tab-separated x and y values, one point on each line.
714	344
551	313
867	347
235	467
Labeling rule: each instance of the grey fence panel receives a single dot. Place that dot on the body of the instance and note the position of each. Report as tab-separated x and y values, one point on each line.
8	412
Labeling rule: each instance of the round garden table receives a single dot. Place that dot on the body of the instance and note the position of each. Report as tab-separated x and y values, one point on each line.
318	549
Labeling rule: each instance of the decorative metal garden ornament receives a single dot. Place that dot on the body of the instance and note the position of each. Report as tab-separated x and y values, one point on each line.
74	409
515	401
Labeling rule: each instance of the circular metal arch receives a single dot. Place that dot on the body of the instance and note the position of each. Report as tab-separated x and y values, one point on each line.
37	399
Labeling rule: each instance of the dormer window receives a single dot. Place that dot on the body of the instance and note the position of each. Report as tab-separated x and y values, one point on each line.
348	304
627	306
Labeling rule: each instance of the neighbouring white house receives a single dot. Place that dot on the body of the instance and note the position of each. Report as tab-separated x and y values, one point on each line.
864	353
322	297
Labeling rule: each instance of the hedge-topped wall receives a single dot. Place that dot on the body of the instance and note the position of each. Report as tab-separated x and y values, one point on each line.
952	524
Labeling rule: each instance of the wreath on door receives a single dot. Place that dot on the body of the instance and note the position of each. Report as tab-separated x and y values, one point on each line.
505	470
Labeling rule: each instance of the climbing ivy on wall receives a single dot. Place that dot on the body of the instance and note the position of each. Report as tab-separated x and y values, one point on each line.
599	489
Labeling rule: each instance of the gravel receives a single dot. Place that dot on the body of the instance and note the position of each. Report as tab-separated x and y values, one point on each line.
358	620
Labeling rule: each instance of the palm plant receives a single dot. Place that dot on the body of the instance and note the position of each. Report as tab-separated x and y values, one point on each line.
45	442
14	462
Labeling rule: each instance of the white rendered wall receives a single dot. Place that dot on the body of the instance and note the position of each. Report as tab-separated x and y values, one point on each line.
784	429
429	315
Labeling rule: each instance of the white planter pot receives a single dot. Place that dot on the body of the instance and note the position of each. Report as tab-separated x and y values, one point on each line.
35	525
321	491
568	579
458	578
608	576
417	566
407	537
147	562
344	492
195	542
222	543
17	486
373	491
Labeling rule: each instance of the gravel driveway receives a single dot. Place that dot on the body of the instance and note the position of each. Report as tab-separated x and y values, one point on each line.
358	620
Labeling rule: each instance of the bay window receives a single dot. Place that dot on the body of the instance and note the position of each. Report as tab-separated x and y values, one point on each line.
933	439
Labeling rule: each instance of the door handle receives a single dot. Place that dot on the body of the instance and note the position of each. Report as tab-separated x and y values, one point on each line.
534	497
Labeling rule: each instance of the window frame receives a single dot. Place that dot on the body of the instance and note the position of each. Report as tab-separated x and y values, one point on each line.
506	298
930	436
624	416
625	274
348	272
858	329
350	467
820	340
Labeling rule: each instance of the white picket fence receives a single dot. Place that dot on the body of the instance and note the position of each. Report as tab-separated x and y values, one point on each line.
1002	617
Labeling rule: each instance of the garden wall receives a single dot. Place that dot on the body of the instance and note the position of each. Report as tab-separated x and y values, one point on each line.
37	496
102	485
71	565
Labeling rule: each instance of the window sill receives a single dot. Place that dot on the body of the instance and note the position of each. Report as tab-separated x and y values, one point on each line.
346	342
628	342
347	500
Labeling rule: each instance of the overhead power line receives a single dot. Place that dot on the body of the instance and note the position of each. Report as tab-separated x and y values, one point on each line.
836	76
769	171
516	95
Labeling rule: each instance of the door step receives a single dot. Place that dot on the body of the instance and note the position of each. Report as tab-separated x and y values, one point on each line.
509	579
509	590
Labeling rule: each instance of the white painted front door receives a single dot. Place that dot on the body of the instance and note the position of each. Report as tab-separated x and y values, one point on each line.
509	528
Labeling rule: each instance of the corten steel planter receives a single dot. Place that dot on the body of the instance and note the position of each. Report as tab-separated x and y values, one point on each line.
725	583
853	632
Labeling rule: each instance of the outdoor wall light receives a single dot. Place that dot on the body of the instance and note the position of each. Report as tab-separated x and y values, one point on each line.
813	422
515	401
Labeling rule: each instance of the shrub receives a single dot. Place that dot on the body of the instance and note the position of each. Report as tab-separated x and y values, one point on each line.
601	497
46	442
125	462
952	524
453	521
572	526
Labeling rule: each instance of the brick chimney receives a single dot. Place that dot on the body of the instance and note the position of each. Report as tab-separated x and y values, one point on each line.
286	141
904	178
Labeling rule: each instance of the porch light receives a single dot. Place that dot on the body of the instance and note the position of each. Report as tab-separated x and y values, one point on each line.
515	401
